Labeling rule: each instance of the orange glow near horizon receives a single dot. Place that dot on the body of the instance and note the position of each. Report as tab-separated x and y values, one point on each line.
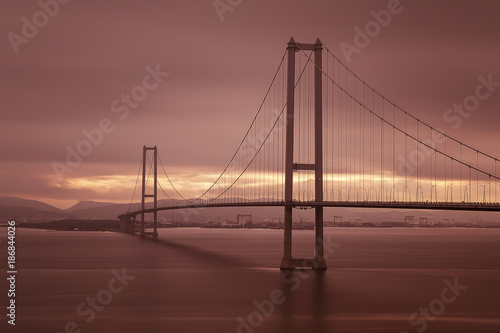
193	183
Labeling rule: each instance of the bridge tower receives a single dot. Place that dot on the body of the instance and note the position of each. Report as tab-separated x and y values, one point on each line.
145	150
318	261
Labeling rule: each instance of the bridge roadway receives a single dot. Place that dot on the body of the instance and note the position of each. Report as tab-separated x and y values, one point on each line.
471	206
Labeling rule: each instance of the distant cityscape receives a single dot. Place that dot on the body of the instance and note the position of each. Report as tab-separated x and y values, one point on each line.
247	222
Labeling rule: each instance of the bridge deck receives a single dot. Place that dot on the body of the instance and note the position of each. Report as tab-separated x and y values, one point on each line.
476	206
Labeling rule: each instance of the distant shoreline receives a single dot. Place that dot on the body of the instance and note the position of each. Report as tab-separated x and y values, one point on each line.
114	225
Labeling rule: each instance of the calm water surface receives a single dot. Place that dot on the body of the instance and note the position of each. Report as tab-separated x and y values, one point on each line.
221	280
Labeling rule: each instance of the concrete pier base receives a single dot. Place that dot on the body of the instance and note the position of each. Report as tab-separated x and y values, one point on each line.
127	225
316	264
287	264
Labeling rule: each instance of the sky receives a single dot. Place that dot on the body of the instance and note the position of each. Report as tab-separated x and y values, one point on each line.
204	67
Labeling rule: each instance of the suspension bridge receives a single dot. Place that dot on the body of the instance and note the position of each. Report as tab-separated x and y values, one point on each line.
323	137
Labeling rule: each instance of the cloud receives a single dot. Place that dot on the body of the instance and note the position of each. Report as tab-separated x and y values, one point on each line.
64	80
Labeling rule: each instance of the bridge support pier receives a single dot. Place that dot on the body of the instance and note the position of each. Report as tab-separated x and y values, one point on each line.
127	224
287	261
318	261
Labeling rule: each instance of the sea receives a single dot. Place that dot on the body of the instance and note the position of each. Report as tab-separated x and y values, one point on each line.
387	280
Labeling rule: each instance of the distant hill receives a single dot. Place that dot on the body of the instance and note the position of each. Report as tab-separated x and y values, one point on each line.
33	210
29	213
35	204
106	211
82	205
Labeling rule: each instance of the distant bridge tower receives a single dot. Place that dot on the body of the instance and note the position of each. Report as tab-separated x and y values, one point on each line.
145	150
319	261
